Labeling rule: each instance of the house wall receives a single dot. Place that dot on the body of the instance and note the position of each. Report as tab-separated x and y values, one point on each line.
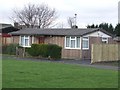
111	41
6	40
15	39
66	53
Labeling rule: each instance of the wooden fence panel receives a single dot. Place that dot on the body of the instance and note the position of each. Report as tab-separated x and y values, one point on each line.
105	52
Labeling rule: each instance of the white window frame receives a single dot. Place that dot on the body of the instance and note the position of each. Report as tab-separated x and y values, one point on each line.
22	44
104	40
85	39
70	39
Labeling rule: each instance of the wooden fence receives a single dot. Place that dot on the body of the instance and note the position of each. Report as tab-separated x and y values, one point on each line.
105	52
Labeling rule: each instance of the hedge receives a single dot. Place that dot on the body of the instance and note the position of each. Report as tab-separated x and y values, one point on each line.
9	49
54	51
45	50
34	50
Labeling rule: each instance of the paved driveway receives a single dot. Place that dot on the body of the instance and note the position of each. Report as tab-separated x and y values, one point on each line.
87	63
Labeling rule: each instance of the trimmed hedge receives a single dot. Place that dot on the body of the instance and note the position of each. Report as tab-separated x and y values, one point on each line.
54	51
9	49
45	50
34	50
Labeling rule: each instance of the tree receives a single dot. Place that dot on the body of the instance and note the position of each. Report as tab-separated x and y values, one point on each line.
117	30
70	21
46	16
32	15
92	26
111	28
108	27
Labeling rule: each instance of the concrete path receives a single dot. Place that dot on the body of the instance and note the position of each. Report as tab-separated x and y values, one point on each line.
85	63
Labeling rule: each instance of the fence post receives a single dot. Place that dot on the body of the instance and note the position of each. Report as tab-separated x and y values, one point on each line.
92	58
17	51
23	51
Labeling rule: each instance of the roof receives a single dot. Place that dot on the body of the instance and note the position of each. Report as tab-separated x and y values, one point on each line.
62	32
3	25
8	29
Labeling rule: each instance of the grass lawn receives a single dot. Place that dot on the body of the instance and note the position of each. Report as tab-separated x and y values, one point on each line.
31	74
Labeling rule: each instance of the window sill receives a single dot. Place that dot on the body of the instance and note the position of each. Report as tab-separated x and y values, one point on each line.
72	48
25	46
85	48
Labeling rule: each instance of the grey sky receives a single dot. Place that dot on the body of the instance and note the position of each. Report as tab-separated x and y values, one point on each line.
88	11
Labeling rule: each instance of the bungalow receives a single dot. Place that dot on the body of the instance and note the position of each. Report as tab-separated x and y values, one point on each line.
75	43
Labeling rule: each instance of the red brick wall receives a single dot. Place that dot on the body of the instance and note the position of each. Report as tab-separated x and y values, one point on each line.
66	53
15	39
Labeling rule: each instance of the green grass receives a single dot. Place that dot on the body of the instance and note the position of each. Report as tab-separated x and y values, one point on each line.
31	74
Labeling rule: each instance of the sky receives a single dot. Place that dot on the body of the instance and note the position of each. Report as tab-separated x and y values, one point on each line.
88	11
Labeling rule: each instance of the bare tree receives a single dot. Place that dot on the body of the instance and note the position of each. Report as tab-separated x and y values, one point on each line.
70	21
26	16
46	16
35	15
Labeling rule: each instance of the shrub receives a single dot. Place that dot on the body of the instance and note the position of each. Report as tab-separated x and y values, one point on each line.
9	49
54	51
34	50
45	50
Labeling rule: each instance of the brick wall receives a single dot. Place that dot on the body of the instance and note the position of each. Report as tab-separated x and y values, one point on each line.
15	39
66	53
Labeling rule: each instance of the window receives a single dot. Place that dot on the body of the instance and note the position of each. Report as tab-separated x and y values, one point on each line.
67	41
85	43
78	42
25	41
104	40
72	39
72	42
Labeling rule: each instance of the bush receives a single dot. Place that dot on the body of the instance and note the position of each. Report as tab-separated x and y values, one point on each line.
45	50
9	49
54	51
34	50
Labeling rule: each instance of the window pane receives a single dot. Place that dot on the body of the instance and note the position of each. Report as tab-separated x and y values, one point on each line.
67	41
85	38
72	43
72	37
85	44
22	40
78	42
26	42
104	40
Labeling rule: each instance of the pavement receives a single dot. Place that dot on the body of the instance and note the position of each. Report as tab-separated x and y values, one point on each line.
85	63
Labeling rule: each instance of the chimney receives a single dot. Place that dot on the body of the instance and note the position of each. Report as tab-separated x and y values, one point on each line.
75	22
